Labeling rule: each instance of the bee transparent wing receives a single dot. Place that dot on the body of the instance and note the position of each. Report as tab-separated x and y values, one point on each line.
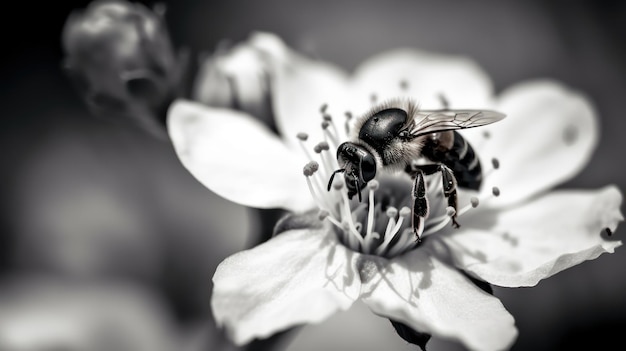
426	122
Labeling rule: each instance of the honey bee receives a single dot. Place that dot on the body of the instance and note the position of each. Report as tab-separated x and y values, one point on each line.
397	136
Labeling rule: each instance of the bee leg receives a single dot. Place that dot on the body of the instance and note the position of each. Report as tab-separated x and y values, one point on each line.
420	205
448	181
449	191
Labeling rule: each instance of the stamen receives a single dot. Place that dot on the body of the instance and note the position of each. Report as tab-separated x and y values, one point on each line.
347	215
323	108
450	211
326	199
373	185
347	231
495	191
328	165
329	134
391	212
441	221
328	118
474	201
495	163
405	243
322	214
393	229
348	115
309	170
303	137
404	213
404	85
338	184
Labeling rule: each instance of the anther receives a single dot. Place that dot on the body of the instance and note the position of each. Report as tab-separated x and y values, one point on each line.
348	115
373	184
373	98
450	211
310	168
325	125
496	191
327	117
404	84
338	184
303	138
495	163
474	202
323	108
486	134
391	212
322	214
405	211
317	148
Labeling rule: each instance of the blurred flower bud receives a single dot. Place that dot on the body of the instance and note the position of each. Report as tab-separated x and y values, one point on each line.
239	77
119	56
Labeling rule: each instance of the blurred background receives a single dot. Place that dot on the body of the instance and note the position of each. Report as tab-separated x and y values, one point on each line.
107	241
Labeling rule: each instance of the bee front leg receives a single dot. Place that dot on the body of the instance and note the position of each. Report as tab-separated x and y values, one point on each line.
420	205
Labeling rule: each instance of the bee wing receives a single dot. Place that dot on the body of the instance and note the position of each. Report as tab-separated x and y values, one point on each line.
426	122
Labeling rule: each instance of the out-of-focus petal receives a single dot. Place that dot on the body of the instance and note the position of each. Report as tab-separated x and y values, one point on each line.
237	157
300	276
432	297
42	313
540	238
301	87
547	137
423	77
239	77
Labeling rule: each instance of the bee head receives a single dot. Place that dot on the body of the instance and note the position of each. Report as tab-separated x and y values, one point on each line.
358	166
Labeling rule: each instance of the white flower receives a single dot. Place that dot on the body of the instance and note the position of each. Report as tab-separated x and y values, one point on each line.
315	268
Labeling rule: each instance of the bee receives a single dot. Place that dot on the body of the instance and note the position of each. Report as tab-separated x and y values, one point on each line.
397	135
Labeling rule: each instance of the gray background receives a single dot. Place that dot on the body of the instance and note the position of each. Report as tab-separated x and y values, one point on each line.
66	176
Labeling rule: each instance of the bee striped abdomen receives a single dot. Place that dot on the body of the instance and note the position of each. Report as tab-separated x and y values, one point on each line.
451	149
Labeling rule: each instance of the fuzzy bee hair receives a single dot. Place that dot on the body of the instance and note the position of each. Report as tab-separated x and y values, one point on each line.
401	151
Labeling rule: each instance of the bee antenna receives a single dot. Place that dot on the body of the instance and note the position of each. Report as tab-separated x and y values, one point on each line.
330	182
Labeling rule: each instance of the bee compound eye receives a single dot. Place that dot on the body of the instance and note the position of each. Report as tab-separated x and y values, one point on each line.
368	168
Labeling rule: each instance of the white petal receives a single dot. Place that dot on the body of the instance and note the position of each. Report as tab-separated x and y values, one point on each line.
426	77
297	277
547	137
237	157
301	87
539	239
432	297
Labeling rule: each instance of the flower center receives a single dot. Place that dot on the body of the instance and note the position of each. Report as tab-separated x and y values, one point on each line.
381	224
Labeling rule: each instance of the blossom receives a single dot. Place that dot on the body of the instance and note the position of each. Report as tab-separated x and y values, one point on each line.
238	76
119	56
515	231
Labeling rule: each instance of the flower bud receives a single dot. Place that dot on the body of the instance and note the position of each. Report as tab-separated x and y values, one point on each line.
119	56
240	76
